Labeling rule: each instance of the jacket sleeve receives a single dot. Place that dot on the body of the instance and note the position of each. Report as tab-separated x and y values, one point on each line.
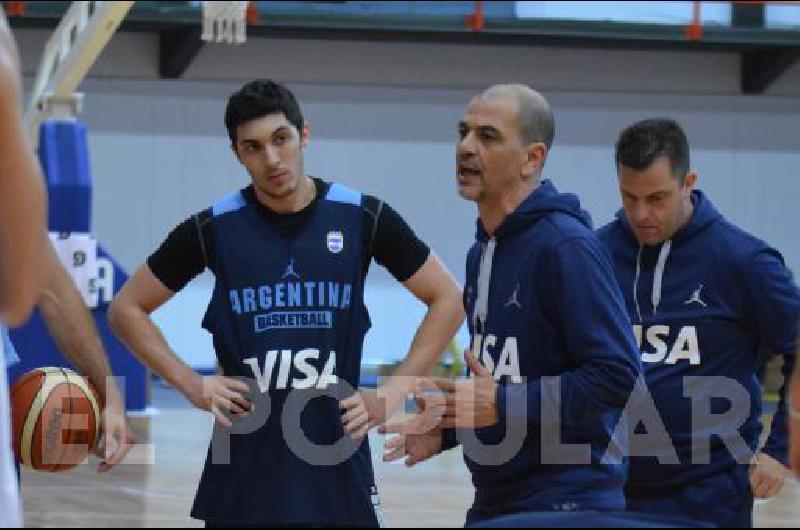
772	304
590	313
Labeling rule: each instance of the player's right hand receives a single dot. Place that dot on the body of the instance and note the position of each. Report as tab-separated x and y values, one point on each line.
223	396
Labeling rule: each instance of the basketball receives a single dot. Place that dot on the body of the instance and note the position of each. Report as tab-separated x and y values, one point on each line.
56	419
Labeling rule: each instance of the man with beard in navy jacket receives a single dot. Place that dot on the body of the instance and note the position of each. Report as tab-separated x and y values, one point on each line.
709	304
547	321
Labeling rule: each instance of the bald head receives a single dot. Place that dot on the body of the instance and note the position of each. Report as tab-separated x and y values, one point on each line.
535	118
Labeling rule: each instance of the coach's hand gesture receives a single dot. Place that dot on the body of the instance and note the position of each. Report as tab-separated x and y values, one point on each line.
470	403
419	436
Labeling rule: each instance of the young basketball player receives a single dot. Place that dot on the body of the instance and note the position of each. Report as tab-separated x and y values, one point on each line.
290	254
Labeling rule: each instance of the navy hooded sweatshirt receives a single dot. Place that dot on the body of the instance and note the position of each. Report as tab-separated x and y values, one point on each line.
543	302
712	301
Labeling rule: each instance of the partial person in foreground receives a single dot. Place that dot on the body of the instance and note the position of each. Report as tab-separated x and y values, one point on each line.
73	330
23	240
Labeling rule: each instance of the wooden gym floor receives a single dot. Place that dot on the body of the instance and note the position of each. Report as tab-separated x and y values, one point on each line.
158	491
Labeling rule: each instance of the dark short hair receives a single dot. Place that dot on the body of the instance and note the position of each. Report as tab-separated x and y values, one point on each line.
260	98
640	144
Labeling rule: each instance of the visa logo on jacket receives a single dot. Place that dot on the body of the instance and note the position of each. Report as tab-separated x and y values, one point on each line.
508	365
685	347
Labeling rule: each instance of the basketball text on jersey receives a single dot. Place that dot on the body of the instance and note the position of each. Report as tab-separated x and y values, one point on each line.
300	305
684	348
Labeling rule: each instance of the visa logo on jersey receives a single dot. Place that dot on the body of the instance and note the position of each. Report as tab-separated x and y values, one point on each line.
303	369
685	347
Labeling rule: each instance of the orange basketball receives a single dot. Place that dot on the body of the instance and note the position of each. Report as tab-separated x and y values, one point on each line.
56	419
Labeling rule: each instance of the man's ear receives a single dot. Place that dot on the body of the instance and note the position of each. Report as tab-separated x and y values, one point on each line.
690	181
535	155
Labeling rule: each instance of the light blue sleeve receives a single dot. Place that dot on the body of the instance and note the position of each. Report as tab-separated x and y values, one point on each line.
9	353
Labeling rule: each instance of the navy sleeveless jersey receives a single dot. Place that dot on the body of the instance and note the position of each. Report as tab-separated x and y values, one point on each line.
288	314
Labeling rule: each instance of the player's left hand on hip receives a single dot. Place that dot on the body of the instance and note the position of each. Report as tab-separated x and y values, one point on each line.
767	476
470	403
361	412
117	437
